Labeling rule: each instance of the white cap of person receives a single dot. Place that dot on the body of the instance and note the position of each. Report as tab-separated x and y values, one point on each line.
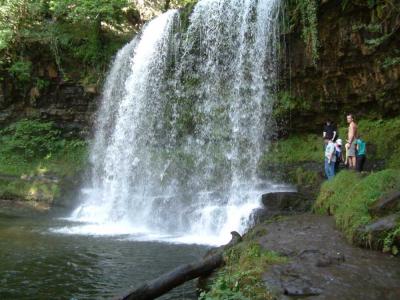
339	142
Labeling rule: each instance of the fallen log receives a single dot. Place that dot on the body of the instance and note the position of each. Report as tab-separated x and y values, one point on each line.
180	275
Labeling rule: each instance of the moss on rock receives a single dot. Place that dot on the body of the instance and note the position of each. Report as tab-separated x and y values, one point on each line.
36	160
36	190
348	197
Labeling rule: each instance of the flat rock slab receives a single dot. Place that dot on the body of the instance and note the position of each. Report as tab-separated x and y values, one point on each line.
322	265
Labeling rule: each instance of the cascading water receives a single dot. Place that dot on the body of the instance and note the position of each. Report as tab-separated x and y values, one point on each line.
184	118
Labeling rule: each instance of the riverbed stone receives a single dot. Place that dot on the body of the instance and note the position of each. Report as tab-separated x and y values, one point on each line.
386	204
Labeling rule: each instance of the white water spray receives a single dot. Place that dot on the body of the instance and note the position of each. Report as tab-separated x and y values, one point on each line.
183	122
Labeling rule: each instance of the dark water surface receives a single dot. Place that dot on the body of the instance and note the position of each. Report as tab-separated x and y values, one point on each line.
38	264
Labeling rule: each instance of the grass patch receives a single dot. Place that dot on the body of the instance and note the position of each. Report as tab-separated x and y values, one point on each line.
241	277
297	148
382	137
385	136
348	197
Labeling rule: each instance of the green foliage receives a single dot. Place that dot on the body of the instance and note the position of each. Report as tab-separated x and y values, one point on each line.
297	148
29	139
390	62
32	147
21	70
373	28
286	105
305	13
305	178
89	11
185	13
376	42
388	241
348	197
241	278
31	154
42	83
308	9
383	13
80	35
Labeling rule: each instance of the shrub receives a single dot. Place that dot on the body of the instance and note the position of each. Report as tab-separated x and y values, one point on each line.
30	139
21	70
241	278
35	147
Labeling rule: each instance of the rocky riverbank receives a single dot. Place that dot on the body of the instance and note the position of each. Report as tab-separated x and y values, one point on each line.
322	265
293	253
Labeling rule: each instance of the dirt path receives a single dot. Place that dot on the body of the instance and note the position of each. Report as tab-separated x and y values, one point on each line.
322	265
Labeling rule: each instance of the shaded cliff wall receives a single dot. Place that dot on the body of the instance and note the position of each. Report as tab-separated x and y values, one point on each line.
358	70
69	104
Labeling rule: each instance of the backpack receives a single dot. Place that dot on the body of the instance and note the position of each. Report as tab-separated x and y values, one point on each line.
338	155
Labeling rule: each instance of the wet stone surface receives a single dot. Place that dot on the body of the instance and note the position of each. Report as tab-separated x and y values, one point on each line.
322	265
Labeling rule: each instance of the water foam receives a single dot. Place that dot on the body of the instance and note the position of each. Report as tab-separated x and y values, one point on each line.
184	119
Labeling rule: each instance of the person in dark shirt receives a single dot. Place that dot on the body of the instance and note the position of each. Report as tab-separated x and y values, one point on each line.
330	131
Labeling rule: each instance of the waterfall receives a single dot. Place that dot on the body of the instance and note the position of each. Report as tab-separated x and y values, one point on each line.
185	116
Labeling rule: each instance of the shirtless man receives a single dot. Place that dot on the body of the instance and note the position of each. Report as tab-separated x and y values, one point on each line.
351	142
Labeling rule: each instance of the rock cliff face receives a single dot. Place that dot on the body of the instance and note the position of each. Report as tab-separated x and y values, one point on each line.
68	104
358	70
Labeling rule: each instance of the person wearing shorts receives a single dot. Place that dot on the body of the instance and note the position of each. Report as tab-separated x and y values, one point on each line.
351	142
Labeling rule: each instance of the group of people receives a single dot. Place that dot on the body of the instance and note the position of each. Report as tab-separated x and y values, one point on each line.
355	148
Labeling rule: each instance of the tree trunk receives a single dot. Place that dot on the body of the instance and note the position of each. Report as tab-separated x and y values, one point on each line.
168	281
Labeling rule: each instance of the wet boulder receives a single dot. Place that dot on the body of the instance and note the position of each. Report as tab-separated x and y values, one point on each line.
386	204
286	202
376	230
280	203
260	215
383	224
